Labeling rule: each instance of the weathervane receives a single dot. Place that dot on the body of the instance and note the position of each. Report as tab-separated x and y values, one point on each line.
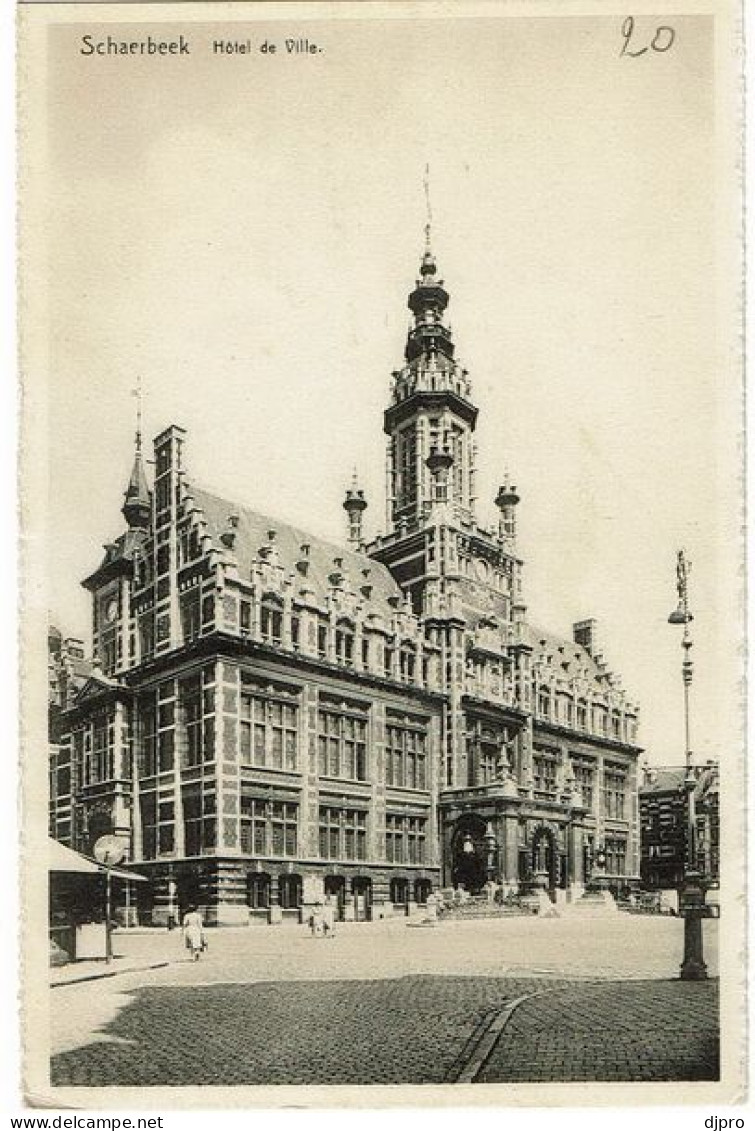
428	224
137	392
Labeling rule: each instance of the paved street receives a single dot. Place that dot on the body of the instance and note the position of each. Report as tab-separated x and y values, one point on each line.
635	1031
392	1003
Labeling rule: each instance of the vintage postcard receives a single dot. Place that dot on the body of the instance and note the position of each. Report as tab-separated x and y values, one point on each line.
383	554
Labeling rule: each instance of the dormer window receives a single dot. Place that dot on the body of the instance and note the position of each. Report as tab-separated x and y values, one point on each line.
408	662
345	643
271	619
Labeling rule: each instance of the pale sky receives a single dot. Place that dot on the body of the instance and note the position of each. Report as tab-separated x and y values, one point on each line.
243	232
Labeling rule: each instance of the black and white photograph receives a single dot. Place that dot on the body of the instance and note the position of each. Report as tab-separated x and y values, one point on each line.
383	555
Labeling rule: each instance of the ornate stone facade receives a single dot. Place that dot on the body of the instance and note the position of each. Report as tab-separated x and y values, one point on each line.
276	719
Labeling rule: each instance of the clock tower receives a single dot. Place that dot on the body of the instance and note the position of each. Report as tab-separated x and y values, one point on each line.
462	578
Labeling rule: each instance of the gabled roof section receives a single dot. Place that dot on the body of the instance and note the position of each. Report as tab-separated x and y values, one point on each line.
119	557
570	661
97	684
252	530
664	779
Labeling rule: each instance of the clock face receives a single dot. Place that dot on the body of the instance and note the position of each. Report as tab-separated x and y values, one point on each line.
481	569
111	610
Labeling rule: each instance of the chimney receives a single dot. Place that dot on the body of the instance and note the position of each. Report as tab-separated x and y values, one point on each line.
585	633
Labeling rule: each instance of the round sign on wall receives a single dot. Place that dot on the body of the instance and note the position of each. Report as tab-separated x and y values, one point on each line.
109	850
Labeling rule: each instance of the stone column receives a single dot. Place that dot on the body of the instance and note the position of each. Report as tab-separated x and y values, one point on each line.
576	852
510	851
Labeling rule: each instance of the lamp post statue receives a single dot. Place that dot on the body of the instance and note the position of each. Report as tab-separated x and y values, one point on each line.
692	901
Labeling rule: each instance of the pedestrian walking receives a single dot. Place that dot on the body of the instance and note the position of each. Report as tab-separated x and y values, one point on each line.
316	921
193	929
329	919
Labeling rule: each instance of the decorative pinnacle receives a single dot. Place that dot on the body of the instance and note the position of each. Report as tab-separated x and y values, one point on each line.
355	500
507	495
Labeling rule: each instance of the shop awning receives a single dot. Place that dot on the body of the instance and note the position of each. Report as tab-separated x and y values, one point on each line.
62	859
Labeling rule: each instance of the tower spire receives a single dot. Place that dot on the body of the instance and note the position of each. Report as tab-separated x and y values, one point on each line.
137	504
428	265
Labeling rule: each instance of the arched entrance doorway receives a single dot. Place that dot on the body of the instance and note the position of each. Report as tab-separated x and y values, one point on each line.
468	853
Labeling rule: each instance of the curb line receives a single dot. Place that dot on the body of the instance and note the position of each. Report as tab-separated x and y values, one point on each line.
107	974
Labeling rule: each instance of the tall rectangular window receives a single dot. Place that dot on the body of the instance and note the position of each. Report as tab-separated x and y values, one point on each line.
268	728
271	620
343	834
614	793
269	828
406	755
585	778
148	726
342	743
405	839
545	766
405	464
190	615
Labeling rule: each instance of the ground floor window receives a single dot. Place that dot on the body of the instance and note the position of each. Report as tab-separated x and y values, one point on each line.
289	891
399	890
616	857
258	886
422	891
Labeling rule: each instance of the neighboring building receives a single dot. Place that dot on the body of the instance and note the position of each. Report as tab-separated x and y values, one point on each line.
277	718
663	817
68	671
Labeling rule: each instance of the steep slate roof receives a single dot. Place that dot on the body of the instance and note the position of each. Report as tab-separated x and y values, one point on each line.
252	533
117	553
666	779
565	652
669	778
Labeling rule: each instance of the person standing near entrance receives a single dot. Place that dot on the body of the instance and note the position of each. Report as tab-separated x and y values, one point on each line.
193	929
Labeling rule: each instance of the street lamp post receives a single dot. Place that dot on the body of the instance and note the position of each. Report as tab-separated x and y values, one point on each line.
692	903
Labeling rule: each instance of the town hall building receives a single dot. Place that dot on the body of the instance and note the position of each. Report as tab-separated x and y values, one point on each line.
272	719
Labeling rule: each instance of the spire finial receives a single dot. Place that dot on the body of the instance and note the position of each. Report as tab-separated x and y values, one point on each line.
137	392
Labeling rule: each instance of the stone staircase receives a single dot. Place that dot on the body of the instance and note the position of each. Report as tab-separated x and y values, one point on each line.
476	908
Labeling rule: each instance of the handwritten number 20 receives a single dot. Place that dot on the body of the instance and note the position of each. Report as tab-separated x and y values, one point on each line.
661	41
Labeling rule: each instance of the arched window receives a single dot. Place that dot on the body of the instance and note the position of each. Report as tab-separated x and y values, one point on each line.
271	619
345	643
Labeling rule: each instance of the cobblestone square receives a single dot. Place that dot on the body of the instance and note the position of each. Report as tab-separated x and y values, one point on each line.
390	1004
